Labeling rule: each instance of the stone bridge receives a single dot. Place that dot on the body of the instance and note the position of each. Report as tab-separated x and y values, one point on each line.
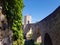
48	29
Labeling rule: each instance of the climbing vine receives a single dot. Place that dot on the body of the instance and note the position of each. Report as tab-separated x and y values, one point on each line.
13	9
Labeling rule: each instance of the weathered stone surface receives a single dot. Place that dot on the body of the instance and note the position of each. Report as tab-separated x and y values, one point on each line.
48	28
5	32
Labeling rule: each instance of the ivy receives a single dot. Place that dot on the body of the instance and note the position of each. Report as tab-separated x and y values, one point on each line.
13	9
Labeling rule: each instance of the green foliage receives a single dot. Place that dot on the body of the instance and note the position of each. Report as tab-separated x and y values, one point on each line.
37	43
13	10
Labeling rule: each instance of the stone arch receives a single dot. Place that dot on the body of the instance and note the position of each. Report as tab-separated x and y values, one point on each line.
47	39
38	36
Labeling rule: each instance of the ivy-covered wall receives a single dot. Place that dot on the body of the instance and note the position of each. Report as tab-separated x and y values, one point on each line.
13	11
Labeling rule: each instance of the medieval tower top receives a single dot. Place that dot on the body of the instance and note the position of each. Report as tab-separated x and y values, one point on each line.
27	19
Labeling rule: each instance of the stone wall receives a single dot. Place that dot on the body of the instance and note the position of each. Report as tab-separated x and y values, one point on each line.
48	29
51	26
5	32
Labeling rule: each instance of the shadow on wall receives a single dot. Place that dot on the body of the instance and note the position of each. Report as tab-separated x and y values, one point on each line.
47	40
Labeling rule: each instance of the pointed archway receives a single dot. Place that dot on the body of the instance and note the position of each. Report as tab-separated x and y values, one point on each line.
47	40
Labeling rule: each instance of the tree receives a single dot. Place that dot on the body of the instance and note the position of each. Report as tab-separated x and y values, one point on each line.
13	10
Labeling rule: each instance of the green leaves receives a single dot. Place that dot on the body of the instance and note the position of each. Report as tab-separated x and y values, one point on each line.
13	10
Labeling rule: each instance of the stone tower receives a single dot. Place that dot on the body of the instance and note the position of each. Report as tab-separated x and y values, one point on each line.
27	20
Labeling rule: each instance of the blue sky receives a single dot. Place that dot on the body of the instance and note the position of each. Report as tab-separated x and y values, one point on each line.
39	9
